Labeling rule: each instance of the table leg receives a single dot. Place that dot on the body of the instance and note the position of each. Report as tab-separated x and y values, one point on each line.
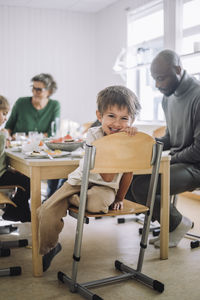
35	203
164	213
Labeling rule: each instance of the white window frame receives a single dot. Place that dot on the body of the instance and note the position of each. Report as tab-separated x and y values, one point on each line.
173	33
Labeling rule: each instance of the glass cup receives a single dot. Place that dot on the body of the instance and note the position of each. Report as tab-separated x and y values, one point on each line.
32	134
20	138
55	127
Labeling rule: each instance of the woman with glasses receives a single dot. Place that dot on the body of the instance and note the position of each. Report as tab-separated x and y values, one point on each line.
37	112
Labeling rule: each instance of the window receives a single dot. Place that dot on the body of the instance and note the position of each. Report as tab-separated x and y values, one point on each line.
145	40
191	37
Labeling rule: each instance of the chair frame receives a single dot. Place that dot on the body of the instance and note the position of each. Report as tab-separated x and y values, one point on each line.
5	245
128	273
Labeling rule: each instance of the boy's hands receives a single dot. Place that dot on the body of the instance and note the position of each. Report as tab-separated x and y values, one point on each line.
117	204
130	130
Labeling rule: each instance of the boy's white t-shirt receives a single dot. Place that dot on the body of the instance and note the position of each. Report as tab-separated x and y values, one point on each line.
74	178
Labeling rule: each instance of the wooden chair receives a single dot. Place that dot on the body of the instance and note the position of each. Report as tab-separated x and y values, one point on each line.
159	132
86	126
117	153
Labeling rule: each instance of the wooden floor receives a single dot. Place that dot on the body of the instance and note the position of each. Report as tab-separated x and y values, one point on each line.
105	241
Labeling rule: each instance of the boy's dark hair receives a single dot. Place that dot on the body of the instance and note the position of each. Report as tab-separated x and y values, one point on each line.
48	82
120	96
4	104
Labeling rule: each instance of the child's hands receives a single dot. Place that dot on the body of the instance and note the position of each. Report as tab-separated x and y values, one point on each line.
117	204
131	131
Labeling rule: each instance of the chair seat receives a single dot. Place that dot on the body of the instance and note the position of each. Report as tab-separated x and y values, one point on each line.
128	209
14	186
5	200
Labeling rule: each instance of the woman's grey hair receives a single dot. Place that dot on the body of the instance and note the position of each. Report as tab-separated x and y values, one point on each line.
4	104
48	82
120	96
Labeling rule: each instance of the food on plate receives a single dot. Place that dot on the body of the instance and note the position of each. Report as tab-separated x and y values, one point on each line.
45	152
41	143
66	138
55	152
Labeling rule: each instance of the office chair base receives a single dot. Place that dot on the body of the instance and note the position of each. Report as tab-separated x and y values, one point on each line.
7	229
194	244
128	273
13	271
14	243
4	252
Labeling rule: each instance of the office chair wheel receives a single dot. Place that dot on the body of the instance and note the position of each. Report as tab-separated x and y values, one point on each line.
4	252
158	286
96	297
195	244
118	265
140	230
7	229
120	220
14	243
12	271
15	271
60	276
156	232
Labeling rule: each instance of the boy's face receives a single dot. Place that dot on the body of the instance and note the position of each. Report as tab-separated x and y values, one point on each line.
114	119
3	116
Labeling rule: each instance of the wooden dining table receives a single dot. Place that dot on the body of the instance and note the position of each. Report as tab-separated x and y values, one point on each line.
38	169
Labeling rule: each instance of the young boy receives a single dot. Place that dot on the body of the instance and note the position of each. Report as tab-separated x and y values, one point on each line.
10	177
117	107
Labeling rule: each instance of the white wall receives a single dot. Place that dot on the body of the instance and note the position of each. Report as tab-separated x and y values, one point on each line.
79	50
58	42
111	37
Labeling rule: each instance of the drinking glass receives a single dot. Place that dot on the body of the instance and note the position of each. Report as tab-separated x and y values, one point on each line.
32	134
20	136
55	127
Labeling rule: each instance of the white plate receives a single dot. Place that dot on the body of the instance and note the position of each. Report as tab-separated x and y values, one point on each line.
43	154
16	149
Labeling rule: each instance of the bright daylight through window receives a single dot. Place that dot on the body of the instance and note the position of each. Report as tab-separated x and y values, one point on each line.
145	40
145	31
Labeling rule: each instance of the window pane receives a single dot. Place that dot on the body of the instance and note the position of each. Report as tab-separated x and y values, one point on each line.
146	28
145	37
150	98
192	64
191	11
188	43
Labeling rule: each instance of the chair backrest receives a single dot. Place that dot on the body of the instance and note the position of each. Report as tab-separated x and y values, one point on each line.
5	192
86	126
159	132
117	153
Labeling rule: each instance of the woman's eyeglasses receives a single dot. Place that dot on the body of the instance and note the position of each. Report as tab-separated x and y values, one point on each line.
38	89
